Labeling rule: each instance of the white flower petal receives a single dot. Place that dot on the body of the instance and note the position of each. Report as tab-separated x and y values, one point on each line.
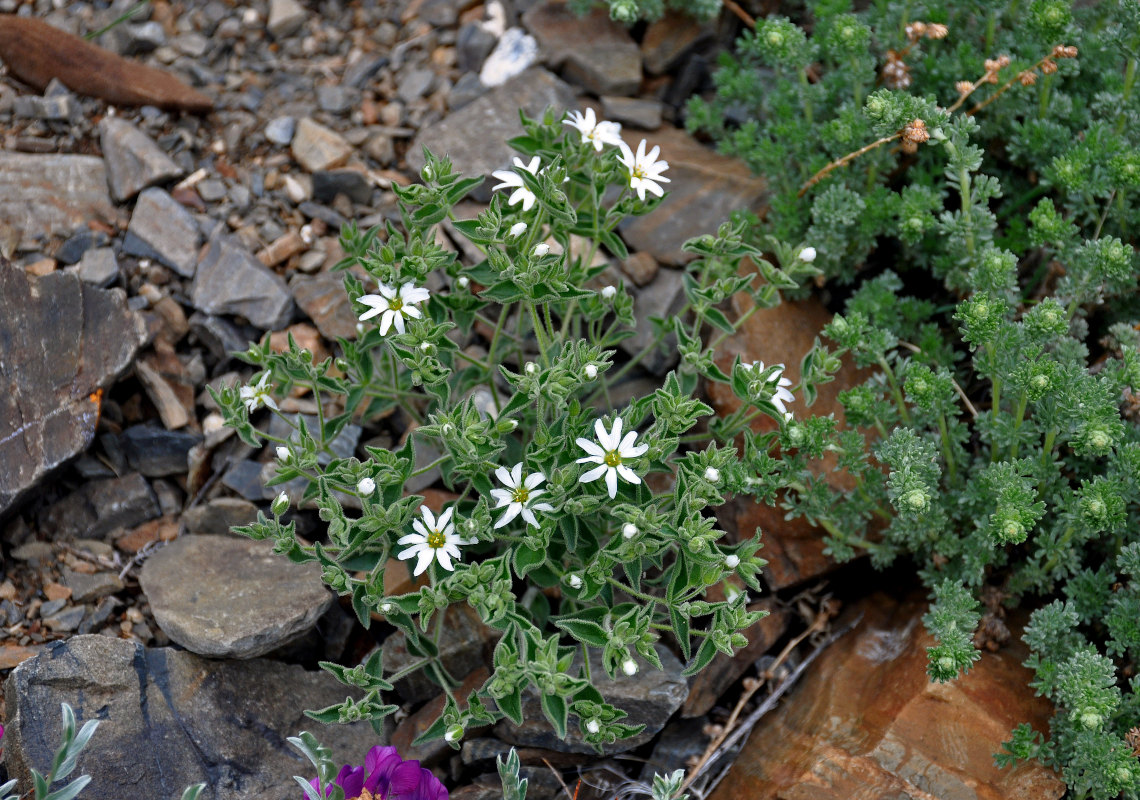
533	480
593	474
444	559
512	511
410	552
445	518
611	482
628	473
516	475
590	447
411	538
425	557
504	477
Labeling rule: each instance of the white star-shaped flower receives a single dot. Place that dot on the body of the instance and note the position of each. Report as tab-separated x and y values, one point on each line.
258	395
395	304
777	384
644	170
433	539
512	180
519	495
595	132
610	455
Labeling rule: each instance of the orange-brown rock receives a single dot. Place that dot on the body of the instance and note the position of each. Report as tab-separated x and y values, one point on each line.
35	52
866	723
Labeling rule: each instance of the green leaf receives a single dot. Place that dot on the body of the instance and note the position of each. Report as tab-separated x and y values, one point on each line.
71	790
704	655
436	731
681	630
590	633
556	710
511	705
525	559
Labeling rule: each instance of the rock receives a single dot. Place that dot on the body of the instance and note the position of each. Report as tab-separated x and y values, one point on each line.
633	112
322	297
593	51
171	719
316	147
466	90
145	37
64	341
33	552
466	646
162	229
280	130
171	409
650	698
641	268
211	190
415	724
230	280
164	529
156	452
119	503
219	515
866	722
415	83
682	740
244	477
669	39
133	160
362	70
220	336
337	99
705	188
327	184
661	298
473	44
36	53
286	17
243	602
99	267
51	196
53	109
78	244
708	685
65	620
514	53
85	588
475	137
12	655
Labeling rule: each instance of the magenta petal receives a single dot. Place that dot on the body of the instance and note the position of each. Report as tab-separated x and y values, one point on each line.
351	779
404	782
377	756
316	784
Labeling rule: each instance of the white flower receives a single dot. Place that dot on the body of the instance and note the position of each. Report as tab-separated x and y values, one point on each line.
608	292
541	250
283	453
807	254
395	305
629	666
593	726
591	371
629	530
712	474
518	229
732	561
778	386
575	581
366	486
644	170
433	539
594	132
258	395
610	455
512	180
463	281
519	495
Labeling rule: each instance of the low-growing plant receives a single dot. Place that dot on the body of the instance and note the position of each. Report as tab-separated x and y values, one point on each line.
577	523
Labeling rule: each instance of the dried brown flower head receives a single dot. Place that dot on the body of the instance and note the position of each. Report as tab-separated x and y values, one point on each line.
1064	51
896	74
1028	77
937	31
964	88
1048	66
992	67
915	29
913	135
1133	740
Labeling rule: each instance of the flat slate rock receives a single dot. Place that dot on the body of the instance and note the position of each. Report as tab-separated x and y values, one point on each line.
133	160
45	197
170	719
475	137
592	51
243	600
163	229
229	280
705	188
61	342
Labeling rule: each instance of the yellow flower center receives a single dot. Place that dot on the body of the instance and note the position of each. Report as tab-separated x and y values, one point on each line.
436	540
637	172
367	795
613	458
521	494
395	304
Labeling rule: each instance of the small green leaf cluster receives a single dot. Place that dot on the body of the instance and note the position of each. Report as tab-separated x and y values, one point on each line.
576	523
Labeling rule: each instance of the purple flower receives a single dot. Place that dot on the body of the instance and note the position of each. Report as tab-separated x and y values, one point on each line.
386	776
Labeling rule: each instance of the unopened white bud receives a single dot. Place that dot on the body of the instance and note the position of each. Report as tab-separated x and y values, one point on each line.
575	581
454	733
387	608
629	530
518	229
591	371
609	292
283	453
463	281
712	474
366	486
531	368
541	250
426	347
629	666
280	504
732	561
808	254
593	726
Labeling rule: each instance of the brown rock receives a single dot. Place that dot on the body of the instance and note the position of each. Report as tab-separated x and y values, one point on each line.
13	655
866	723
56	591
316	147
670	38
704	188
305	335
283	248
640	267
170	408
45	197
163	529
706	687
323	298
44	266
35	52
414	725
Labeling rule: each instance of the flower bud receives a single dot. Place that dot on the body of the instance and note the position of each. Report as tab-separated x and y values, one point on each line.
366	487
428	173
387	608
609	292
916	500
1090	719
575	581
712	474
283	453
518	229
454	734
541	249
732	561
629	667
463	281
531	368
593	726
591	372
808	254
629	530
506	425
280	504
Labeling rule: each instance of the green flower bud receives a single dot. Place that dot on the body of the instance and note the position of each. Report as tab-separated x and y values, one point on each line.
280	504
1090	719
916	500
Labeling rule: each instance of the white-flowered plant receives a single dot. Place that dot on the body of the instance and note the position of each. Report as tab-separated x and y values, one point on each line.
570	519
596	133
775	386
258	394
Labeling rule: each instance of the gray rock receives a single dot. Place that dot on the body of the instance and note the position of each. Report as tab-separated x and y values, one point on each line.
33	551
163	229
63	340
323	298
211	190
280	130
219	515
337	99
661	298
680	741
143	37
669	39
327	184
244	477
475	137
514	53
43	197
633	112
120	503
230	280
467	89
65	621
134	161
473	44
79	243
99	267
316	147
64	108
244	600
361	71
650	698
592	51
170	719
51	607
220	336
85	588
156	452
466	645
285	18
415	83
